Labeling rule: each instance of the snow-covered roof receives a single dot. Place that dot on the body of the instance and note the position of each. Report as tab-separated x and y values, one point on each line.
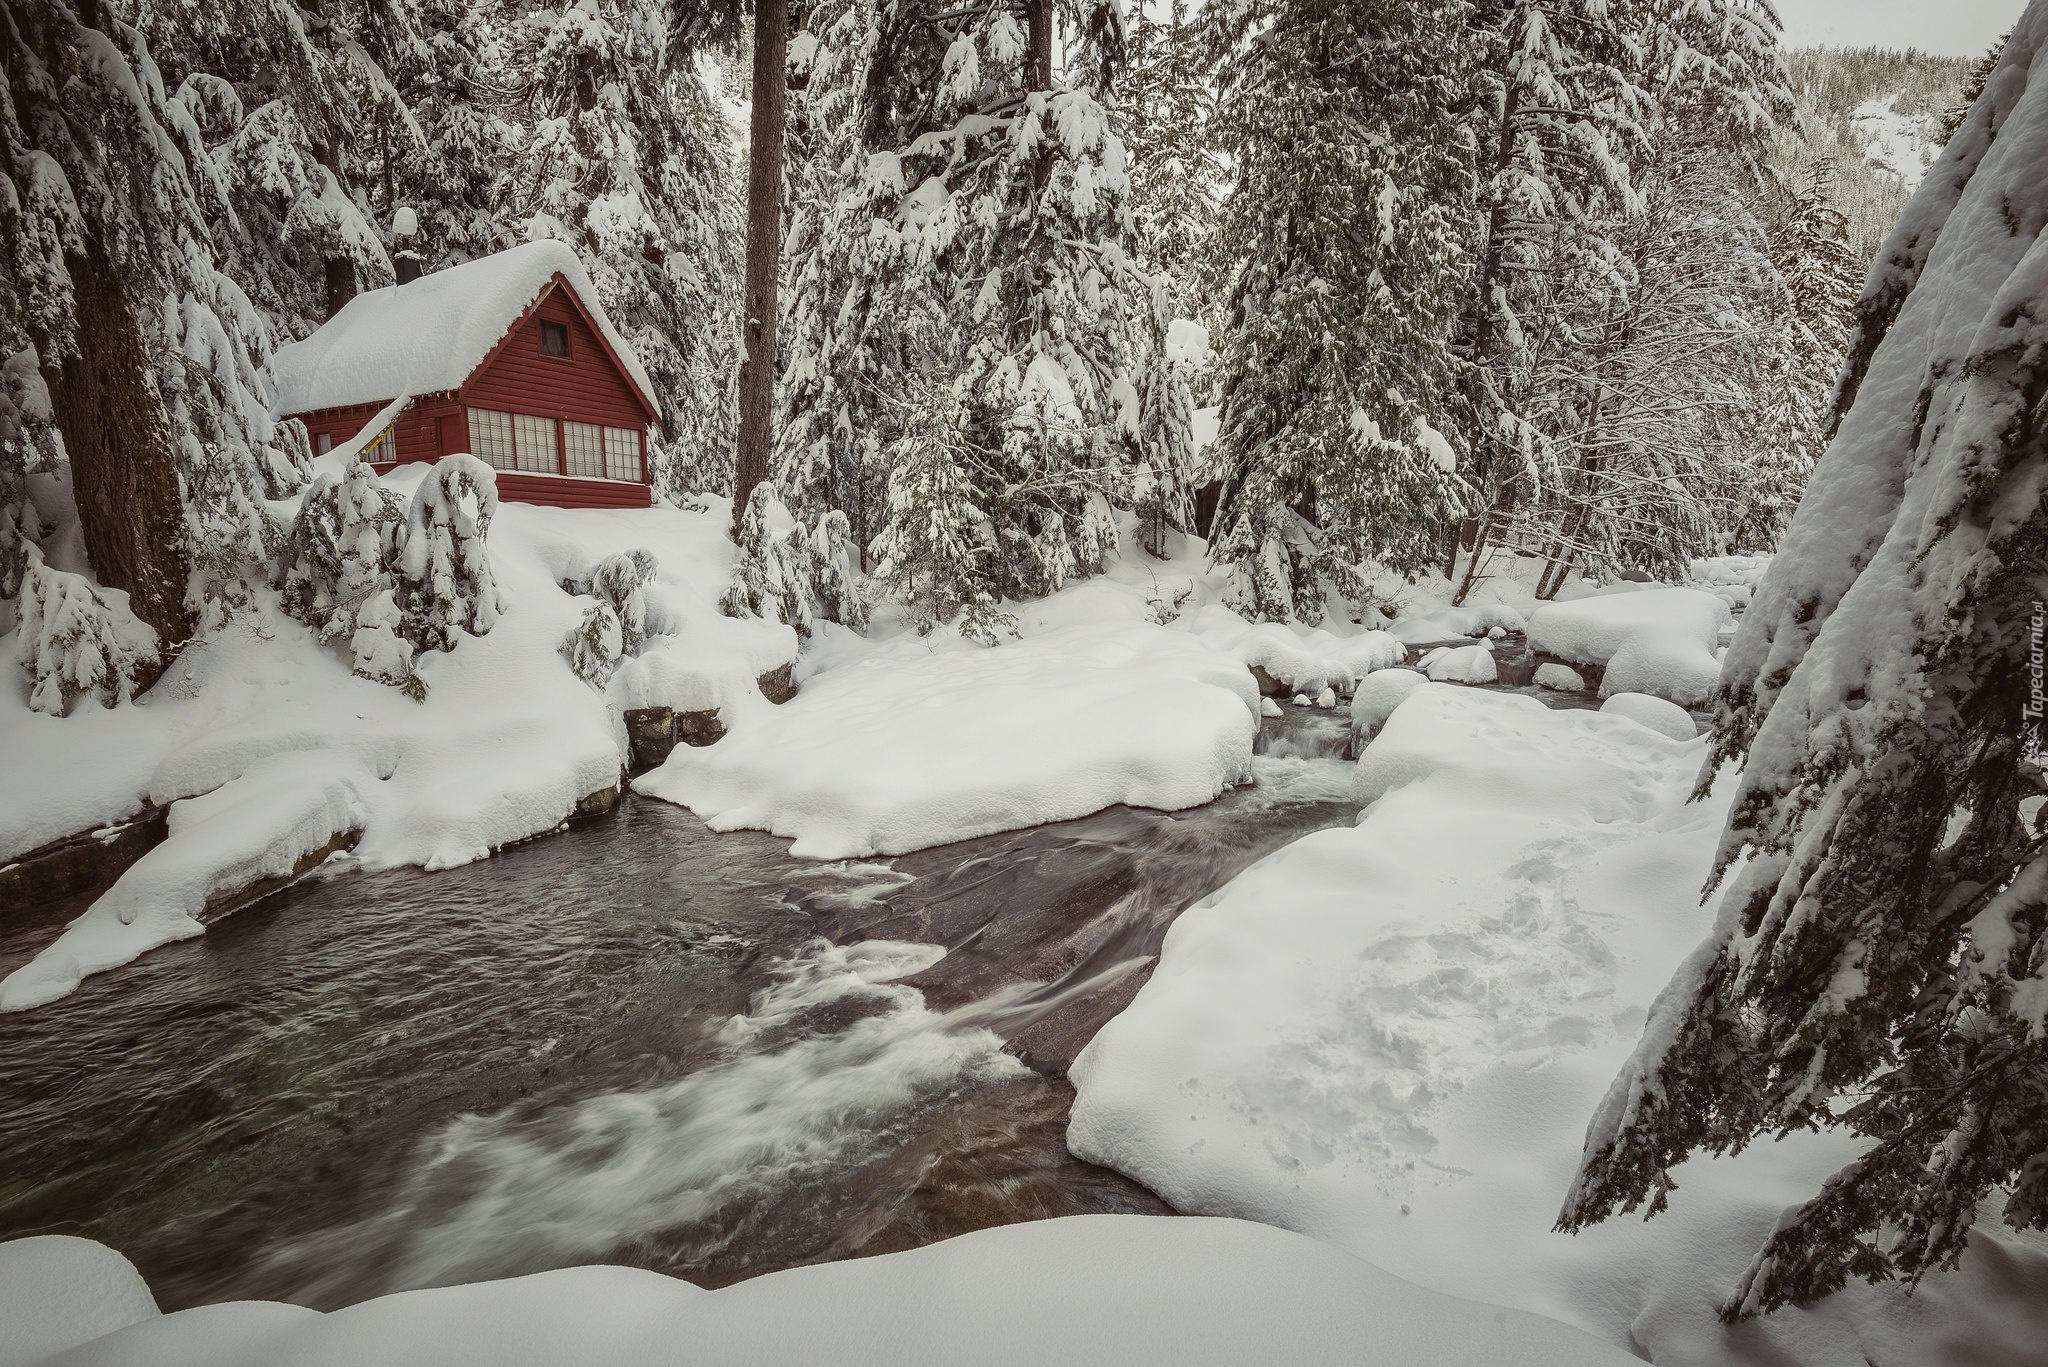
430	335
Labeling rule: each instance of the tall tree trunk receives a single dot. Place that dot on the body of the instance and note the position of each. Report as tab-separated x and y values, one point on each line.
1038	72
768	124
123	468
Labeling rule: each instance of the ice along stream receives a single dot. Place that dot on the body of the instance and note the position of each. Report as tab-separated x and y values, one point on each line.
634	1041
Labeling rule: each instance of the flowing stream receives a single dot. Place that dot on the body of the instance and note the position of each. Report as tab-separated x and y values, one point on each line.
634	1042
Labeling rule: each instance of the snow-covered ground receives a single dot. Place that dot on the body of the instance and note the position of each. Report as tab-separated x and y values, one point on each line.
1097	1290
1904	144
1390	1037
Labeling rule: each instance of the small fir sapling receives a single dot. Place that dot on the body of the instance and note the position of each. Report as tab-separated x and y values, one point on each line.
77	640
444	567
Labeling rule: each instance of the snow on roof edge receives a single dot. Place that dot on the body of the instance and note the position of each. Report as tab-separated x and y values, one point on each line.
430	335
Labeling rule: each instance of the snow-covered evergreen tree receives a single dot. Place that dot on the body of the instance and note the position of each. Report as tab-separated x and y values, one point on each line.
974	240
772	572
619	582
1576	94
593	646
339	577
1882	943
626	154
935	543
149	353
1177	179
77	640
1346	227
445	586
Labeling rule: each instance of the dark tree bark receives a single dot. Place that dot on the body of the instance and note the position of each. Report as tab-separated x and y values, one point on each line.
123	470
768	124
1038	70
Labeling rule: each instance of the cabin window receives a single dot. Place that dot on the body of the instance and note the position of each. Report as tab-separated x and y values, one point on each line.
490	437
533	444
382	450
554	338
323	443
583	443
622	454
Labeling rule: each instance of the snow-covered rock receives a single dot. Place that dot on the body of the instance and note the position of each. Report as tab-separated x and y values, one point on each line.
1665	718
1590	630
1379	695
1472	664
1559	678
1093	1289
1390	1036
909	747
1668	665
1440	622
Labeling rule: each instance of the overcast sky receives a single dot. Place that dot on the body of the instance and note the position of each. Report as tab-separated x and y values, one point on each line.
1964	27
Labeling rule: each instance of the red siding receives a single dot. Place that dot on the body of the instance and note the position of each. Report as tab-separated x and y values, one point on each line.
587	385
584	386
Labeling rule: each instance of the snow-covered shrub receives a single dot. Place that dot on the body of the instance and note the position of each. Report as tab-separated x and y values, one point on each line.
771	577
617	583
593	645
338	575
444	567
77	640
934	543
836	593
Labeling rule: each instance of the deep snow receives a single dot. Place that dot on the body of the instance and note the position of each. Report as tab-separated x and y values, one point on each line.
1391	1036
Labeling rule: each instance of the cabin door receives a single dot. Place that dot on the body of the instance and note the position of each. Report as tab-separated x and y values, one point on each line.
453	437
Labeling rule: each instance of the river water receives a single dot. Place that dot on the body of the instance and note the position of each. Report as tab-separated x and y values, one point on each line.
634	1042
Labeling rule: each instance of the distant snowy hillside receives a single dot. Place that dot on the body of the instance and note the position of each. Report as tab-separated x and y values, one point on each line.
1874	114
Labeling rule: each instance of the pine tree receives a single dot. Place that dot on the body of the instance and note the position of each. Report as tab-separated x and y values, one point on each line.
592	647
1973	88
1878	959
772	571
619	582
339	577
149	354
445	586
77	640
934	547
1176	177
1346	228
626	155
962	224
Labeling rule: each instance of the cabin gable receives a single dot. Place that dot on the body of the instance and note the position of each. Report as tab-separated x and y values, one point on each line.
552	385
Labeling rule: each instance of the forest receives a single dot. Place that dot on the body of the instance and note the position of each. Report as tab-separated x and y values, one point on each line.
666	643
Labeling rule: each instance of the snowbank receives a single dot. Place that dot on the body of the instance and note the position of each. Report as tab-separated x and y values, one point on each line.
917	745
1664	664
1460	664
1378	696
1440	622
1590	630
1097	1289
506	744
1391	1036
1665	718
261	826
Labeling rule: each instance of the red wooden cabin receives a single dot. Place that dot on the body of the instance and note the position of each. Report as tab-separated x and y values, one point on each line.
508	357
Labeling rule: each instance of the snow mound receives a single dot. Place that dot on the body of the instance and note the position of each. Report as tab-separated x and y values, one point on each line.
1389	1037
281	810
1590	630
57	1291
1744	571
1460	664
1440	622
1666	665
1378	696
706	666
1302	659
1665	718
913	747
1087	1289
427	336
1559	678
